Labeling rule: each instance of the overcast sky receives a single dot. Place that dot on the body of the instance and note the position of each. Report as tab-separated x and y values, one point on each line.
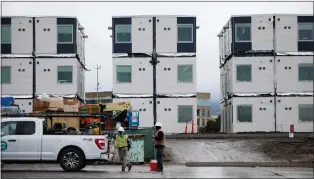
96	17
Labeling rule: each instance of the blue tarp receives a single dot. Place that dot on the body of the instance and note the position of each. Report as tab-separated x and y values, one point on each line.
7	101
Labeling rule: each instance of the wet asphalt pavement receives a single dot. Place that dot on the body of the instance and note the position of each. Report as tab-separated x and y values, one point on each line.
48	171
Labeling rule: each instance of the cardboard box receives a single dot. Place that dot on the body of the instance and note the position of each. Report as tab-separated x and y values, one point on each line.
70	101
40	104
55	104
70	108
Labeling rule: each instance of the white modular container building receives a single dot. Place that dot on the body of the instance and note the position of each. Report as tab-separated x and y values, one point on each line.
176	75
17	35
256	74
156	55
25	103
60	76
248	75
260	65
42	54
134	34
172	112
262	32
294	74
16	76
173	75
248	114
132	76
42	35
296	110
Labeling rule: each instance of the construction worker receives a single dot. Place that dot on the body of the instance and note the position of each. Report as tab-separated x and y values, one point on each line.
123	144
160	142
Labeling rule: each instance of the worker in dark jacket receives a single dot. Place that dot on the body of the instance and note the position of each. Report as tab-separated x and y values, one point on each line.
160	142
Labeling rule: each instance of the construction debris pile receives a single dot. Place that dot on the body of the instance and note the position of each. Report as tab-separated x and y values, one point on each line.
46	102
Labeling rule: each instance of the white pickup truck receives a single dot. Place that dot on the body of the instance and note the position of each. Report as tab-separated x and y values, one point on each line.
27	139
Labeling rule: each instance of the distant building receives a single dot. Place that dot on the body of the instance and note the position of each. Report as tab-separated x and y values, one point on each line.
103	97
203	108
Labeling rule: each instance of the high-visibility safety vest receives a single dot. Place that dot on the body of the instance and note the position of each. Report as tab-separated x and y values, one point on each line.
162	142
121	141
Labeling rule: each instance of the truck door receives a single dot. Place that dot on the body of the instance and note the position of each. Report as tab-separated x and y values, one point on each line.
29	140
9	140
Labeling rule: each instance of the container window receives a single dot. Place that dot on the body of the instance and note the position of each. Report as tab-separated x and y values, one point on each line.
5	75
305	112
244	73
198	112
185	113
244	113
123	33
243	32
124	73
185	33
65	74
65	33
5	34
306	72
305	31
185	73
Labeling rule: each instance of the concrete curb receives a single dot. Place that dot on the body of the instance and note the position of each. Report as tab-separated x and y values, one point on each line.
237	136
250	164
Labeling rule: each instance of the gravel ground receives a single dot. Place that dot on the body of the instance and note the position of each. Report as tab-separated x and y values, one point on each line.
258	150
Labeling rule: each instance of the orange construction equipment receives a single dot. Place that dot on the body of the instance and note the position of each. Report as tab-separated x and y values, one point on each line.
192	126
92	109
186	127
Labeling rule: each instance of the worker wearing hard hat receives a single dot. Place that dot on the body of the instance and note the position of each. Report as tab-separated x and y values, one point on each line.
123	144
160	142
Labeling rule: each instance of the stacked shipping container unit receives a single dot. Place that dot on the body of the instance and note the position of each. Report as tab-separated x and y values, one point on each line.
266	65
154	67
41	55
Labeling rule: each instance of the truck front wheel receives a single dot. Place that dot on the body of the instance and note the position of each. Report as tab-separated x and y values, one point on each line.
72	160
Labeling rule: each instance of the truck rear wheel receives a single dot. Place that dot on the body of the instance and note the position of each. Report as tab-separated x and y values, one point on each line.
72	160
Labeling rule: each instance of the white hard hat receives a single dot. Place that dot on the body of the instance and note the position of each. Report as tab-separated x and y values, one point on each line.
158	124
121	129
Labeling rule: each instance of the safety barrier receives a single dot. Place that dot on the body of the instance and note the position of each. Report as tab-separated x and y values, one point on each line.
192	127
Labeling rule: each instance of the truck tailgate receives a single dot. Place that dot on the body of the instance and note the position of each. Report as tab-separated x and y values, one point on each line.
95	145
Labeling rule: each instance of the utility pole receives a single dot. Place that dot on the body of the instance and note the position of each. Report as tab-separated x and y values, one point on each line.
97	68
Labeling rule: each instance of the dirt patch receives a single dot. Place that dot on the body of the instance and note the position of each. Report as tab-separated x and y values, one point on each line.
290	151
